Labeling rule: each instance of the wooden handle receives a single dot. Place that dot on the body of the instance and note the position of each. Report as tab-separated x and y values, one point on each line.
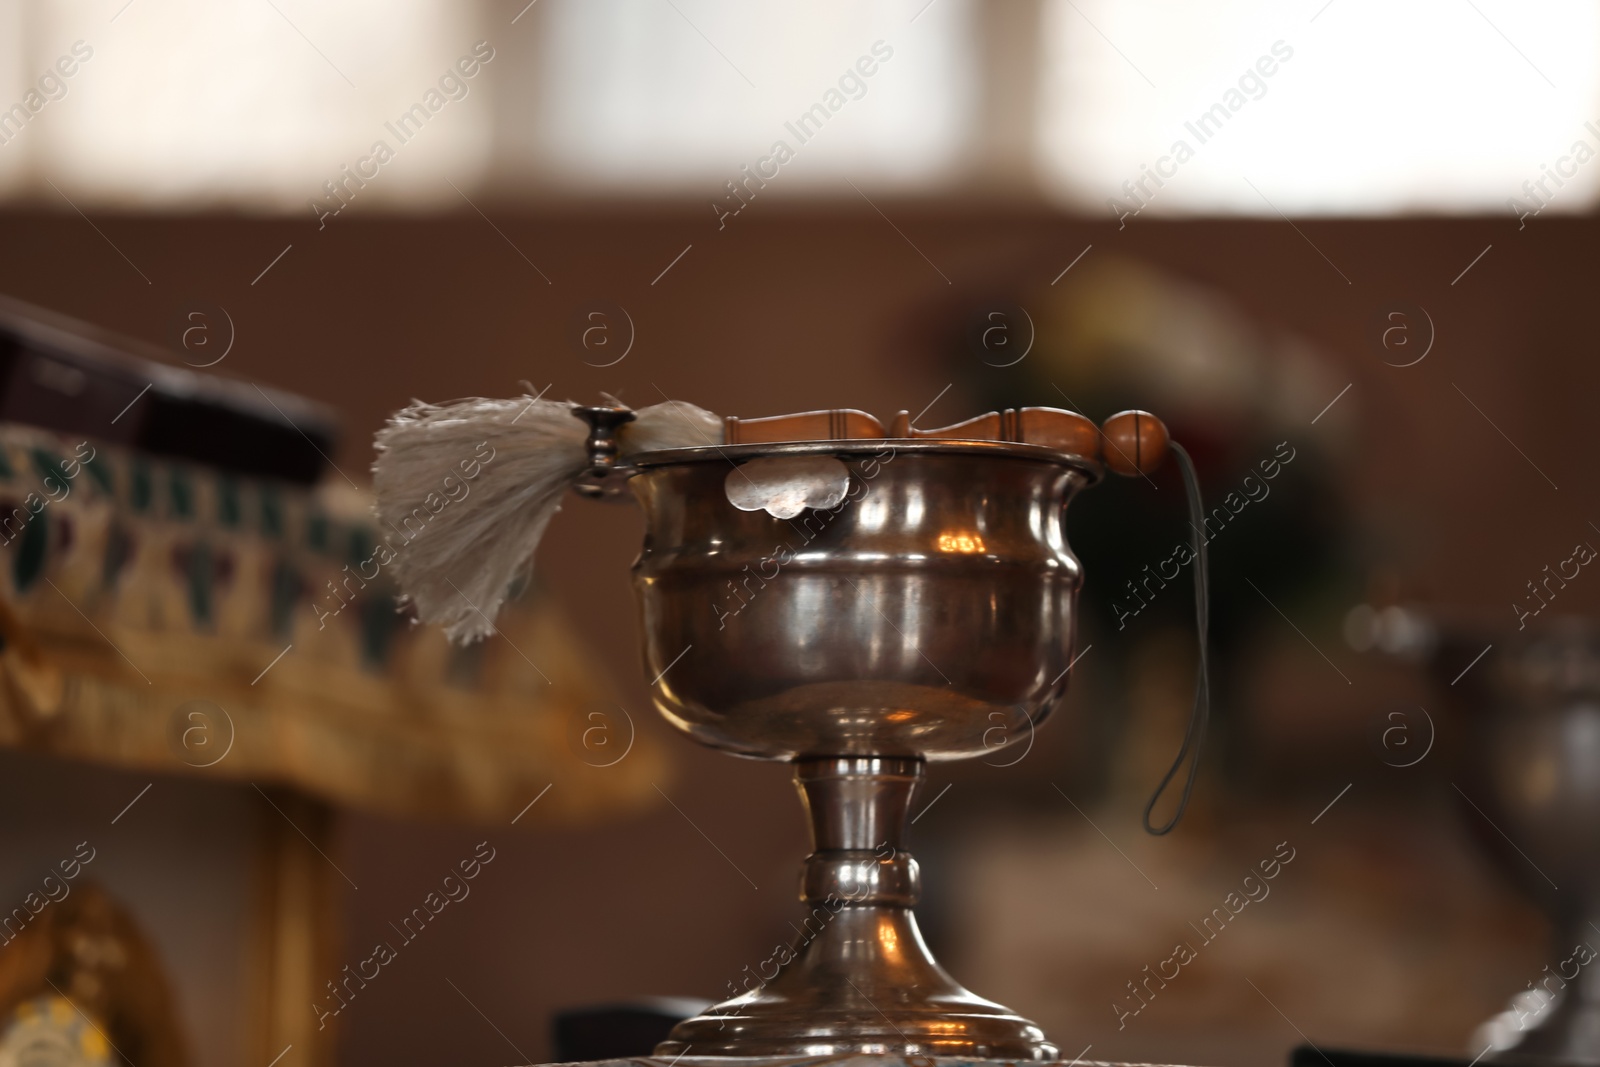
1064	431
835	424
982	428
1135	442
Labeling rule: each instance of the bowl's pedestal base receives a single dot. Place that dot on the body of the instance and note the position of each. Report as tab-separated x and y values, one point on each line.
865	984
859	981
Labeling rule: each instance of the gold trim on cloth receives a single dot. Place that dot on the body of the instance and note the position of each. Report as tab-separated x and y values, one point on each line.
161	615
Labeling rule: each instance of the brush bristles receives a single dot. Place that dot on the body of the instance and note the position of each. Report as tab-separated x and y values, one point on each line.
470	488
671	424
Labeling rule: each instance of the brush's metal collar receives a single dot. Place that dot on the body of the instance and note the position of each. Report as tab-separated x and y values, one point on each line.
604	477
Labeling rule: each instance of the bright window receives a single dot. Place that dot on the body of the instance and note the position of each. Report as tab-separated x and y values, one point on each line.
185	103
682	93
1231	107
1369	107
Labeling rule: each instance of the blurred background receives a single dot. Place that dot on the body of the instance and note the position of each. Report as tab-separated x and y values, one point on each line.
1344	249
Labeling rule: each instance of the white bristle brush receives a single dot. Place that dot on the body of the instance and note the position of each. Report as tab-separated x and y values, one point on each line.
470	487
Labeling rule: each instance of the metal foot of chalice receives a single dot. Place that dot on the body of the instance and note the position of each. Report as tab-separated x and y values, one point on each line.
1530	761
1522	741
859	607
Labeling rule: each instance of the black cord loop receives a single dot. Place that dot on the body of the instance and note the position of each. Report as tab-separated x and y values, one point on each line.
1200	717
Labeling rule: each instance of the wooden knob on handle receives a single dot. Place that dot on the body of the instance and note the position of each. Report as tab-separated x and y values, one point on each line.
1135	442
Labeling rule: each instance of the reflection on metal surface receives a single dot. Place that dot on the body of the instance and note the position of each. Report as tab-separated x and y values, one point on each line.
784	486
960	541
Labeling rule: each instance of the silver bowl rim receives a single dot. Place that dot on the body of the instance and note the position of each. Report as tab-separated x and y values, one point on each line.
1092	470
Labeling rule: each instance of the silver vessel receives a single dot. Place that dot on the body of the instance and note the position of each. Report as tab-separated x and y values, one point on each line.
856	608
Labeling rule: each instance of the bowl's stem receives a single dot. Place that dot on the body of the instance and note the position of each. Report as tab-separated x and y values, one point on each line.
857	978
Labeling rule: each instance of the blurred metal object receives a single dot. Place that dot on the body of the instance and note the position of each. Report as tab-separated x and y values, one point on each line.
931	606
1530	765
